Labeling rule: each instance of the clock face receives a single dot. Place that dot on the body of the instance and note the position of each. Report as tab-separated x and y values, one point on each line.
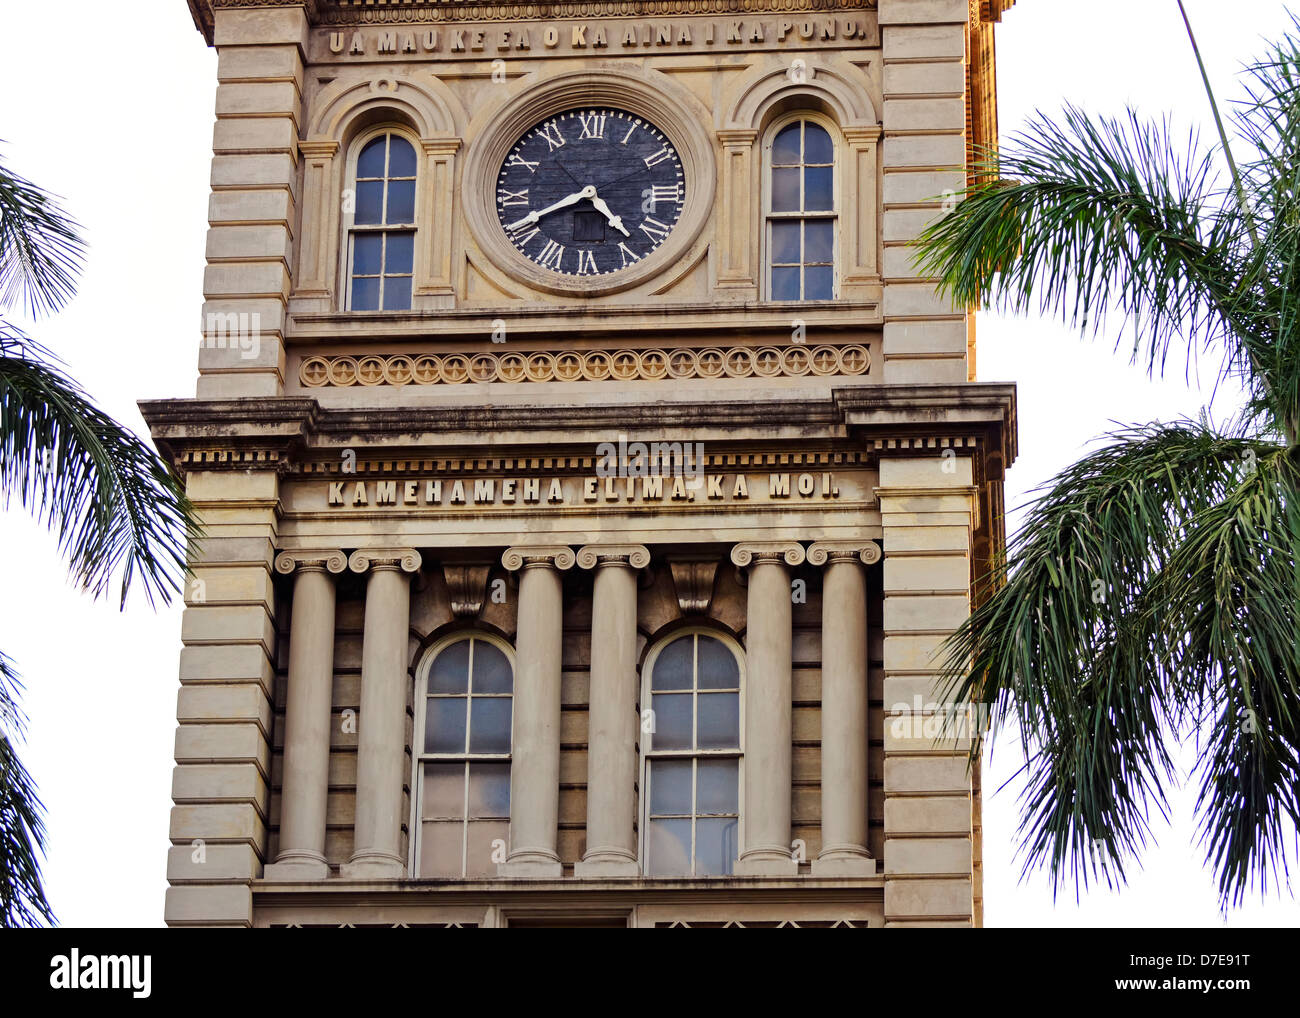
590	191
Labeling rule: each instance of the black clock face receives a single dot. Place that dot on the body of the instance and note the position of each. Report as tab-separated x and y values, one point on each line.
590	191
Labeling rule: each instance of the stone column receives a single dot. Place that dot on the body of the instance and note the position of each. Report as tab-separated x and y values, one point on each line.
768	637
381	733
844	707
612	729
535	755
305	785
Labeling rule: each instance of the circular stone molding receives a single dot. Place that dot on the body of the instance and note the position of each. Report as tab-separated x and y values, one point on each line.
647	94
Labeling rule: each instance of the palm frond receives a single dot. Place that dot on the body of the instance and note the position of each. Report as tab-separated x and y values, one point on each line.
41	250
22	819
110	499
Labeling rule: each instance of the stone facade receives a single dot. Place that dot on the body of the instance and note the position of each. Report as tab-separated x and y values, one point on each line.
561	482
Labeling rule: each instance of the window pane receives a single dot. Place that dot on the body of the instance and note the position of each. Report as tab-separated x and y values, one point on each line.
718	667
370	163
785	146
401	158
444	791
370	202
785	284
670	787
785	243
489	790
817	188
719	726
479	849
397	293
819	283
441	849
444	725
489	719
365	294
450	671
817	147
668	848
785	190
673	666
672	720
367	254
401	201
715	847
718	789
818	240
399	253
491	669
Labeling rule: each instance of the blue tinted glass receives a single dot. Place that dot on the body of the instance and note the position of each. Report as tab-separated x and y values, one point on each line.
397	261
401	158
670	787
365	294
785	146
450	670
817	146
717	787
491	668
785	190
489	725
818	241
718	668
715	847
489	789
818	190
672	720
370	202
785	243
785	284
719	723
397	293
819	283
674	665
668	848
371	161
367	252
401	201
444	725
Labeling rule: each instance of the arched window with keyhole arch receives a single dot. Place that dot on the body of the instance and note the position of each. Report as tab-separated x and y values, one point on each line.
801	209
464	725
692	756
381	223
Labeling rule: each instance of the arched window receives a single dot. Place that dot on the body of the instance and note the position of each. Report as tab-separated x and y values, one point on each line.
801	211
381	235
462	770
692	758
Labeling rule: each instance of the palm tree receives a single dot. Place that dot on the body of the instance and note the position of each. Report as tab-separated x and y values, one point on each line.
118	511
1151	599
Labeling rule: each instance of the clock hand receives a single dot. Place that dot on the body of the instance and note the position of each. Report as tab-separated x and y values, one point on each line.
567	173
614	221
572	199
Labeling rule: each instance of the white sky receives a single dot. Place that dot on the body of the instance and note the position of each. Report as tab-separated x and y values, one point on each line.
117	118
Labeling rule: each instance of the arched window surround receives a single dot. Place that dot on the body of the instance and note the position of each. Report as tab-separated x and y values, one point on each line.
835	214
420	757
352	230
649	753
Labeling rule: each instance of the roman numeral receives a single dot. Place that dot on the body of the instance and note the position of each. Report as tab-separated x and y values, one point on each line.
586	263
592	126
513	197
517	160
654	229
628	135
668	194
522	234
551	132
657	157
628	256
551	256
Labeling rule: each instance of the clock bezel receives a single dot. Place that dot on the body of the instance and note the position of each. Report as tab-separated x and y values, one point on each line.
651	97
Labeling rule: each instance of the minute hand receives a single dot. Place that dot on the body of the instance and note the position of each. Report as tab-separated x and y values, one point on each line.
614	221
587	192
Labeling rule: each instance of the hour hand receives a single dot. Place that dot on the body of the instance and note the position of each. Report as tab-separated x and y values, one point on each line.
587	192
603	209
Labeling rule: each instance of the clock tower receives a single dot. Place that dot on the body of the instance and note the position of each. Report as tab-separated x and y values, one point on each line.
590	478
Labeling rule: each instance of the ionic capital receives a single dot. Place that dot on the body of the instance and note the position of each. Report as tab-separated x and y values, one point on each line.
788	553
821	552
364	559
554	556
311	560
637	556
